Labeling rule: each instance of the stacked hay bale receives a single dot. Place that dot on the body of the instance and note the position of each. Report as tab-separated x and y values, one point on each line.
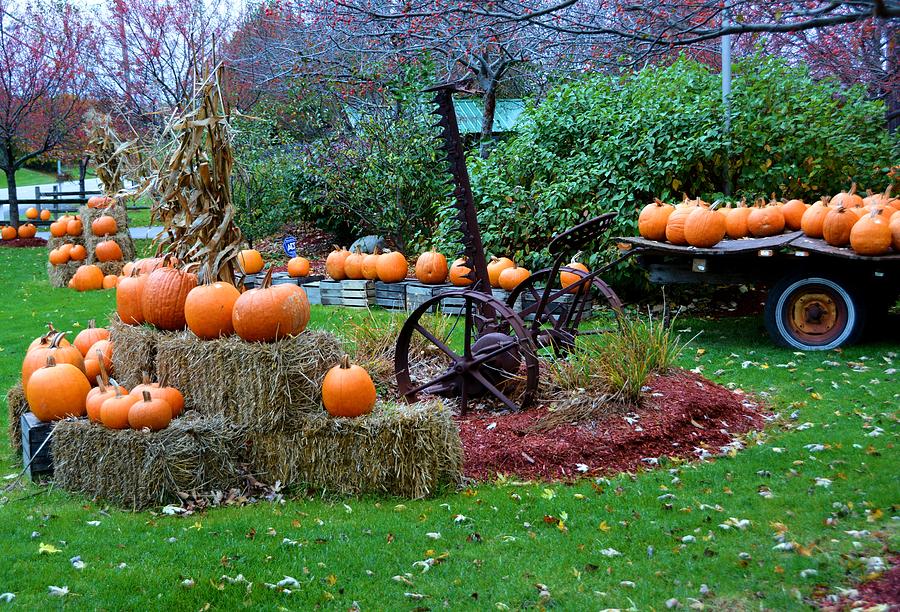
122	237
136	348
60	275
16	406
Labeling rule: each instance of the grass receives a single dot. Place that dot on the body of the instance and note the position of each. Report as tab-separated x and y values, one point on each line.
28	178
501	542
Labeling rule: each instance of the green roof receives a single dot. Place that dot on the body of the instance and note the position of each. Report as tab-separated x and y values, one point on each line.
468	115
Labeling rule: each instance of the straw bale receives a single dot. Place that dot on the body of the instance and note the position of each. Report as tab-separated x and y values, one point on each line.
61	275
16	407
135	350
264	386
408	450
139	469
110	267
89	215
55	243
123	238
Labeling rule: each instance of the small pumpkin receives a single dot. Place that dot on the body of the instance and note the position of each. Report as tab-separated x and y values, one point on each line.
704	227
161	390
431	268
838	223
129	297
56	391
269	313
9	232
89	335
298	267
104	225
208	310
353	265
793	211
87	278
110	281
163	297
45	215
98	358
392	267
58	257
335	262
108	250
495	267
348	390
847	199
100	202
150	413
764	221
250	261
57	228
98	395
114	410
74	227
510	278
31	213
567	279
736	223
813	219
27	231
46	339
78	252
871	235
370	265
61	351
459	272
653	219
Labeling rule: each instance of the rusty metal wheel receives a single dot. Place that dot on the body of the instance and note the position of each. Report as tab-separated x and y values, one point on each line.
588	307
814	313
466	344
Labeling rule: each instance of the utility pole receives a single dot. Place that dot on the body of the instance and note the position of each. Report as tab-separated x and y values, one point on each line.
726	98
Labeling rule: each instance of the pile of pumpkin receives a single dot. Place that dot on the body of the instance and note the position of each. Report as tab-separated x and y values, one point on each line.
103	226
26	230
58	376
870	226
160	292
251	262
387	266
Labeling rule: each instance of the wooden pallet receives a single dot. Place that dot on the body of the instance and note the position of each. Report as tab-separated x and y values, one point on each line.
358	293
391	295
283	278
417	293
38	460
313	293
555	306
331	293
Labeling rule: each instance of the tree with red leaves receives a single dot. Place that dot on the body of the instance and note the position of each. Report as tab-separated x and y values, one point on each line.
42	83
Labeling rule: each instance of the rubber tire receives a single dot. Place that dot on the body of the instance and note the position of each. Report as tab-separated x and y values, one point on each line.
778	298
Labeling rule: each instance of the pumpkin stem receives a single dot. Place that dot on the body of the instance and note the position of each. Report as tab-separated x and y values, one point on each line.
100	384
50	361
91	324
102	367
715	205
658	202
146	395
887	192
575	258
145	378
267	280
852	188
345	362
57	339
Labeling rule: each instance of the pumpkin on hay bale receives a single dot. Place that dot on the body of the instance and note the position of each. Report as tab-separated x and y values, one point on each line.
55	243
409	450
264	386
136	347
16	406
138	469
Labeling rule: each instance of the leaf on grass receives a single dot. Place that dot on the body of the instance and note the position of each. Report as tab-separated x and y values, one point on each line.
47	549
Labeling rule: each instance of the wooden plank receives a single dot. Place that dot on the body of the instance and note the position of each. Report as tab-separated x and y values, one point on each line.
390	295
34	432
313	294
418	293
819	246
331	293
725	247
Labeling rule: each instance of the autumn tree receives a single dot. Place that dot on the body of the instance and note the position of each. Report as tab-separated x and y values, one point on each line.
42	83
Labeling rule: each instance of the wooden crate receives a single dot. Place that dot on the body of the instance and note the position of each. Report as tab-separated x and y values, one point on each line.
283	278
391	295
34	432
555	306
358	293
331	293
503	295
250	281
417	293
313	293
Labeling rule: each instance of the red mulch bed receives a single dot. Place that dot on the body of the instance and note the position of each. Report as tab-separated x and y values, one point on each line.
883	590
611	444
18	243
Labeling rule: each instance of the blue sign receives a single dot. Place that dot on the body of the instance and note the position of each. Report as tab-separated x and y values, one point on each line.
290	246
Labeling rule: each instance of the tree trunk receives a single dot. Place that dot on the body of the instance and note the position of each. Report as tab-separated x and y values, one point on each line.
487	121
82	172
13	197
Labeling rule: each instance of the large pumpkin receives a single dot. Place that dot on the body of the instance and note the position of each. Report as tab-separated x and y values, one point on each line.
848	199
765	221
108	250
653	218
89	335
270	313
149	412
510	278
250	261
704	227
838	223
431	268
334	263
298	267
495	267
370	265
348	390
104	225
392	267
58	348
459	272
163	297
129	298
208	310
813	219
871	235
87	278
353	265
793	213
675	223
56	391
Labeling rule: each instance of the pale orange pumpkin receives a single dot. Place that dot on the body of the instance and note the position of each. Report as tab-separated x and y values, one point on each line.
495	267
871	235
89	335
392	267
100	202
431	268
56	391
250	261
335	262
348	390
104	225
108	250
270	313
163	297
353	265
298	267
370	265
150	413
510	278
837	226
208	310
459	273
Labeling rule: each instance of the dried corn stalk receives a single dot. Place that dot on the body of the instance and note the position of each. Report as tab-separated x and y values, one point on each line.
114	159
193	182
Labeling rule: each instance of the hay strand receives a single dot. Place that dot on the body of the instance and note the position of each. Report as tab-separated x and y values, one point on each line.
60	275
135	353
16	406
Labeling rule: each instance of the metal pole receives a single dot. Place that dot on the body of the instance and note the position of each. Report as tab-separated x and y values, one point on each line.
726	98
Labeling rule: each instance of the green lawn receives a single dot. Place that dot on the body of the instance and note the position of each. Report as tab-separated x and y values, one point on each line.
619	545
26	178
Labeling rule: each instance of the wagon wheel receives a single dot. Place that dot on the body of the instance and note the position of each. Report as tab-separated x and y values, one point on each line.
471	345
583	309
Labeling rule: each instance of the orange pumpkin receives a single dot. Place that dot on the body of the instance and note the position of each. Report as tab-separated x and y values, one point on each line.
108	250
56	391
459	273
160	390
392	267
348	390
653	219
27	231
765	221
334	263
370	265
736	223
871	235
353	265
163	297
89	335
208	310
58	257
270	313
793	213
675	223
57	228
894	226
148	265
704	227
114	410
100	202
250	261
847	199
495	267
9	232
74	227
87	278
129	296
104	225
298	267
567	279
45	215
61	351
98	395
838	223
110	281
813	219
150	413
78	252
431	268
31	213
101	351
47	339
511	277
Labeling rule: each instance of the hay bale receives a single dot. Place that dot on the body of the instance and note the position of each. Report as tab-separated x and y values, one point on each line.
263	386
135	351
55	243
138	469
111	267
61	275
123	238
16	407
407	450
89	215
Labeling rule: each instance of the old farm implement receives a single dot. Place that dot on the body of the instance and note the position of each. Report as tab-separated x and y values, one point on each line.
491	347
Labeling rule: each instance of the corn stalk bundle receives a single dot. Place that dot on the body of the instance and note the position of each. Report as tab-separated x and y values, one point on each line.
194	182
114	159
